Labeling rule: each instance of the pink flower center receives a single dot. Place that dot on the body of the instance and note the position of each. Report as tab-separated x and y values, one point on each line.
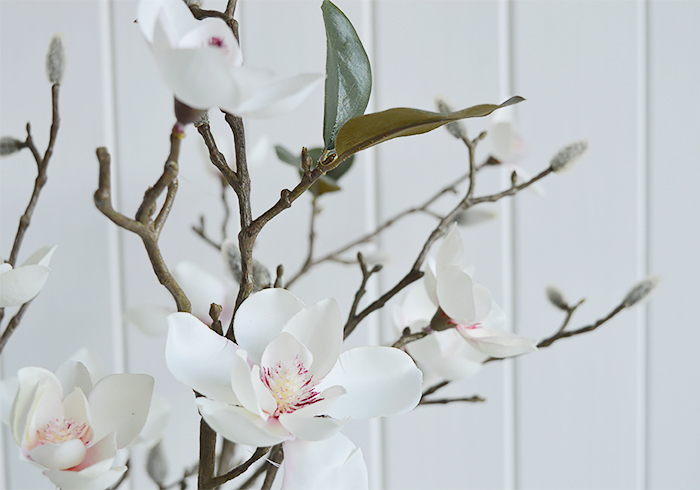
61	430
465	328
291	386
217	41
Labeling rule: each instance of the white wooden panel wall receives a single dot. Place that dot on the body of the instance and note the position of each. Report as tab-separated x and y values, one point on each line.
613	409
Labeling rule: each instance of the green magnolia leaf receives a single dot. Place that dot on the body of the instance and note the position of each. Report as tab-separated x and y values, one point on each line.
366	131
348	74
287	156
324	185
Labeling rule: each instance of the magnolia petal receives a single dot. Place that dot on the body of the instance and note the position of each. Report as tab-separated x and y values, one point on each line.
451	251
41	257
496	343
311	428
430	282
59	456
156	421
278	97
213	34
332	464
285	349
201	287
326	399
103	450
119	403
45	406
242	384
31	383
380	381
320	328
150	319
267	402
495	319
241	426
76	407
91	362
482	302
86	480
199	357
261	317
148	16
456	295
73	375
21	284
415	306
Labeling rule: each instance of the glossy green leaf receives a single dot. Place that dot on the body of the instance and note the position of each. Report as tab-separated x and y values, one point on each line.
287	156
366	131
348	74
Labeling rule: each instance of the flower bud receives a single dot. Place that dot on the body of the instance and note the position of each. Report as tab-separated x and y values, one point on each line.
232	259
556	298
185	114
9	145
471	217
567	156
455	128
55	59
641	290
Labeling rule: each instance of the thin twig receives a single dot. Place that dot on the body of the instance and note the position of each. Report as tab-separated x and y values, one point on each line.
13	324
253	478
445	401
435	388
227	209
407	338
199	230
278	277
366	274
309	262
238	470
276	458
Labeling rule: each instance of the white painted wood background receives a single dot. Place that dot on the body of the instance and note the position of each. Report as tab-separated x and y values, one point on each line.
617	408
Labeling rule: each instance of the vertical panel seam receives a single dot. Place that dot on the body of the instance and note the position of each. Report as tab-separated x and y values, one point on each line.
377	432
642	266
114	249
505	63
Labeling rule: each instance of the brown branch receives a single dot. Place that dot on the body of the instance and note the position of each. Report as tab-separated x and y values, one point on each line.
309	262
445	401
13	324
562	333
227	210
278	278
207	449
253	478
238	470
42	165
408	337
276	458
199	230
435	388
366	274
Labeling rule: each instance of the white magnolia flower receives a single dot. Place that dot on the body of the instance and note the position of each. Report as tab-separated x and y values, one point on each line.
201	288
441	355
285	378
201	62
17	286
332	464
508	147
73	429
468	305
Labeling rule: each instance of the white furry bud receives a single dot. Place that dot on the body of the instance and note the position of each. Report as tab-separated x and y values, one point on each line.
556	298
232	259
456	128
9	145
472	217
157	465
55	59
567	156
641	290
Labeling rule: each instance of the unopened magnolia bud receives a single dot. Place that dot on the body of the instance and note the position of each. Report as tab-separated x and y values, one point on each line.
232	259
185	114
567	156
472	217
9	145
455	128
55	59
556	298
157	465
641	290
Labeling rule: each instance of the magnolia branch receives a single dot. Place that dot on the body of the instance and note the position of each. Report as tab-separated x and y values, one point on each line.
445	401
42	163
276	458
238	470
144	226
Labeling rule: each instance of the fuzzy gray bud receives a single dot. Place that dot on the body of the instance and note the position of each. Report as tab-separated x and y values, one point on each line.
567	156
472	217
157	465
556	298
9	145
640	291
232	259
55	59
456	128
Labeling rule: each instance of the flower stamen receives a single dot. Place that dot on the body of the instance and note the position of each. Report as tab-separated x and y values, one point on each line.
291	386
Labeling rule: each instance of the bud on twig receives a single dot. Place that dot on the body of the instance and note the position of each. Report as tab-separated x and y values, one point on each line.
472	216
55	59
157	465
641	290
306	160
567	156
557	298
9	145
232	259
455	128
